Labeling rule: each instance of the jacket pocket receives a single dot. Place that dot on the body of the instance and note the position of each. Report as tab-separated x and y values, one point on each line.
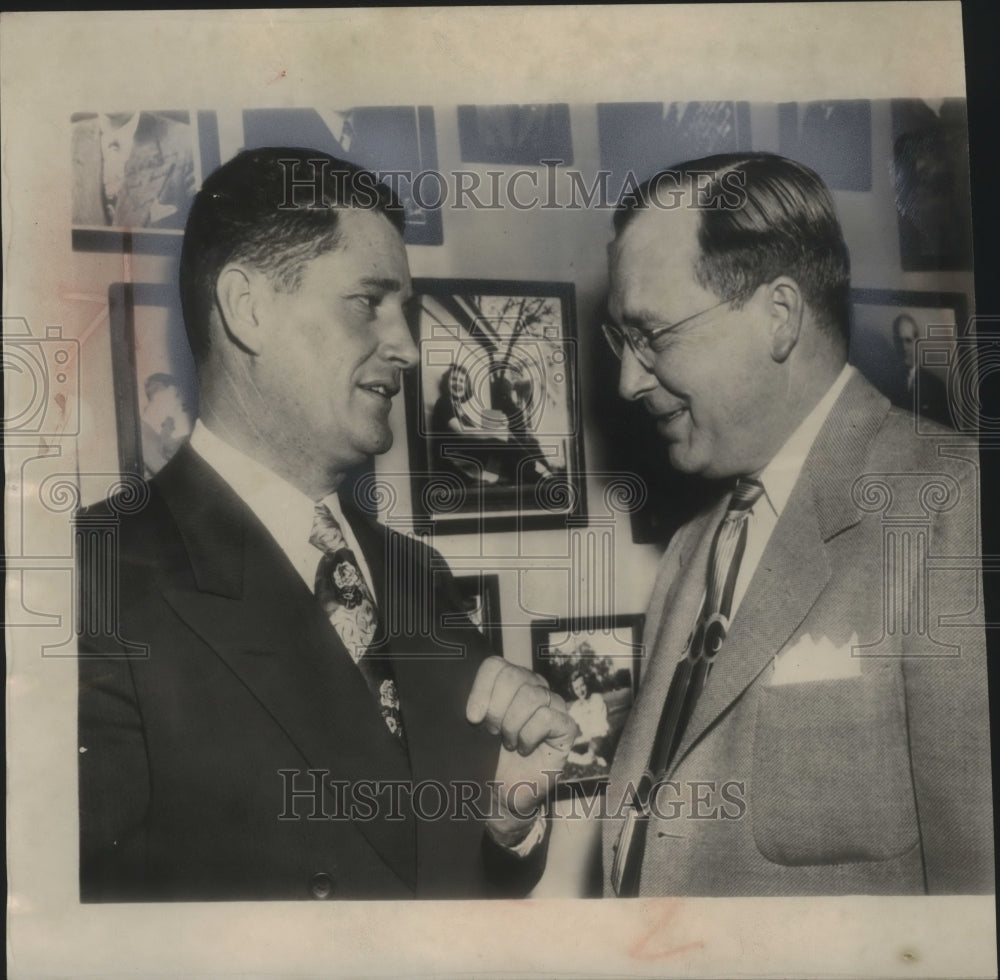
831	772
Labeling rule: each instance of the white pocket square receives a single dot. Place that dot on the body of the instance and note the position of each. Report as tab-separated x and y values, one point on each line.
816	659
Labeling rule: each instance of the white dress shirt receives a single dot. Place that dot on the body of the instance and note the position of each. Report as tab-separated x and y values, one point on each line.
779	478
285	511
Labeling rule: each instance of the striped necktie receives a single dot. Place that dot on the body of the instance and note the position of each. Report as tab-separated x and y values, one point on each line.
689	677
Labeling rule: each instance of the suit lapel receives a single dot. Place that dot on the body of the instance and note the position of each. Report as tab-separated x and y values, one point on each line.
434	673
674	606
795	566
435	667
251	607
792	572
670	603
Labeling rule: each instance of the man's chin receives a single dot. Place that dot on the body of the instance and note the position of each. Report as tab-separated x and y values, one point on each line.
361	452
684	460
379	443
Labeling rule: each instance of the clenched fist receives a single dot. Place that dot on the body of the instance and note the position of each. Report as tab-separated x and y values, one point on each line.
537	734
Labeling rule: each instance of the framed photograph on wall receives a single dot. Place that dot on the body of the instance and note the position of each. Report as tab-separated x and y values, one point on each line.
156	388
494	434
913	347
930	170
638	139
515	134
593	664
833	137
397	142
480	595
135	174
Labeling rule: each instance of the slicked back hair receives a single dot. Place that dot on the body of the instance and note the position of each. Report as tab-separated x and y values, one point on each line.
760	216
275	209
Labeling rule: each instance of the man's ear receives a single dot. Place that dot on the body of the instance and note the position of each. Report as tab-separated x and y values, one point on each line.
786	308
236	296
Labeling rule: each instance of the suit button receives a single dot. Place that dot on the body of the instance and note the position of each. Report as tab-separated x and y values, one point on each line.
321	885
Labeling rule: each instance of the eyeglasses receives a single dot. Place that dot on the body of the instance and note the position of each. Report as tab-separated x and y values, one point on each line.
642	342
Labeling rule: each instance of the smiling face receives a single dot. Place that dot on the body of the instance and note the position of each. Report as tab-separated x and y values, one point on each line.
458	382
713	381
333	351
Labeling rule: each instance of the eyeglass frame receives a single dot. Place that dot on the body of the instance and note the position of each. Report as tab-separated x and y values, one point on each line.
639	341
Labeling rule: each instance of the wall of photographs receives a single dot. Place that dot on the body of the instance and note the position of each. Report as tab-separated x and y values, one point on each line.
555	515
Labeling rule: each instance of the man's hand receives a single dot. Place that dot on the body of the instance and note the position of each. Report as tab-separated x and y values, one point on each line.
537	734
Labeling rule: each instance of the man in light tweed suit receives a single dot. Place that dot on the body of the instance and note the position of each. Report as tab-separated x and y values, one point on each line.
813	712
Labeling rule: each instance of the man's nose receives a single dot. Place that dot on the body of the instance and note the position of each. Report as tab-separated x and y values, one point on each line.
398	345
635	379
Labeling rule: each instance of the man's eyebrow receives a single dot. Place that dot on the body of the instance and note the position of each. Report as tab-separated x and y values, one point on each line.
642	318
388	285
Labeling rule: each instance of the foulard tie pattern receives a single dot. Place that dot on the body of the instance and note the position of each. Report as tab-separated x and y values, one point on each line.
349	604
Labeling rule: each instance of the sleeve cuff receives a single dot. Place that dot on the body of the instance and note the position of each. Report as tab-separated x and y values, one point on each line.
534	836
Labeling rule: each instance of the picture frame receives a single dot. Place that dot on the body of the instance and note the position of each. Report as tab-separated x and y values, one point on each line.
515	134
639	139
833	137
155	385
494	435
930	173
480	595
397	143
942	389
134	176
593	664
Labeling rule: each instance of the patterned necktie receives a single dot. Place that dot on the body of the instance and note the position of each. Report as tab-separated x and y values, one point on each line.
348	602
686	685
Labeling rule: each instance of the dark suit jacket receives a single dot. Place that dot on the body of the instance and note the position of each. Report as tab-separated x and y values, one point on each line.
190	750
841	742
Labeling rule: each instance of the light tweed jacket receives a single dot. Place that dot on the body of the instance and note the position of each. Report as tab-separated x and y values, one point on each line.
841	744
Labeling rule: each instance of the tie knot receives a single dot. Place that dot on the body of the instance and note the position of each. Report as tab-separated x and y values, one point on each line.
746	493
326	533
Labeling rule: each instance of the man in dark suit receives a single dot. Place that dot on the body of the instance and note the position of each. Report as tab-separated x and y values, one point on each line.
916	389
812	715
280	707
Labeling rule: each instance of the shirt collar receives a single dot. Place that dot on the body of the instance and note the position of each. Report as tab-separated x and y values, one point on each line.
781	474
283	509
